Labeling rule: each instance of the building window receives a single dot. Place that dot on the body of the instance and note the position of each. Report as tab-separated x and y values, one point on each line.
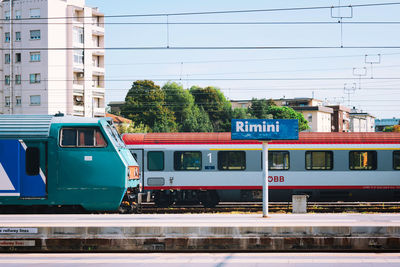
18	14
17	36
35	35
319	160
34	13
17	79
35	56
7	37
7	58
7	15
18	101
17	57
231	160
187	160
396	160
34	78
7	101
78	56
278	160
35	100
362	160
155	160
78	35
7	79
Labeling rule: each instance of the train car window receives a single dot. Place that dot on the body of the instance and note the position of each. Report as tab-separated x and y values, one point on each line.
32	158
155	160
362	160
278	160
231	160
187	160
396	160
319	160
82	137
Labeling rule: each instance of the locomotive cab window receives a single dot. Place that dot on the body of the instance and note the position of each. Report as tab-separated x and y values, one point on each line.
82	137
231	160
396	160
155	160
278	160
319	160
362	160
187	160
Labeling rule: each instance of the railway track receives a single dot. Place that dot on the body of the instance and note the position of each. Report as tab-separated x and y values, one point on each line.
276	207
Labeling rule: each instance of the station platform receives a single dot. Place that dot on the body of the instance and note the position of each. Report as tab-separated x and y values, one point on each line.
200	232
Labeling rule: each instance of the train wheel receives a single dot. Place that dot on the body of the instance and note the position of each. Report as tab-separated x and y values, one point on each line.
209	199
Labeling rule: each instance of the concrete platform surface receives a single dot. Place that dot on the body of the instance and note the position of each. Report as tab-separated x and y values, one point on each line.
201	220
200	232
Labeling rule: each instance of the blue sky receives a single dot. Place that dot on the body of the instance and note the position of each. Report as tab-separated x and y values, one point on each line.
276	73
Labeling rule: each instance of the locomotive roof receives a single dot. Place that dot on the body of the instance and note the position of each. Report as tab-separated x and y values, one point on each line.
34	126
225	138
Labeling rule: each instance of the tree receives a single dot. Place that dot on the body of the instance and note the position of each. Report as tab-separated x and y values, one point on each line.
241	113
132	128
259	108
214	103
278	112
189	117
145	104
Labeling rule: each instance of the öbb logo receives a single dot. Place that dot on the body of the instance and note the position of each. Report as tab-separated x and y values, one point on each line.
276	179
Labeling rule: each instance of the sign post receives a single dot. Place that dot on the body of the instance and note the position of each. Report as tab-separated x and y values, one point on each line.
264	130
265	178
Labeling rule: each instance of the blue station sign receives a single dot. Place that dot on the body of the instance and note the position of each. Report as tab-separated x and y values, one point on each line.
256	129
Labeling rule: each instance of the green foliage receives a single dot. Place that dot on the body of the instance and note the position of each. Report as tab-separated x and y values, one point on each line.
278	112
241	113
132	128
145	104
388	129
260	108
214	103
189	117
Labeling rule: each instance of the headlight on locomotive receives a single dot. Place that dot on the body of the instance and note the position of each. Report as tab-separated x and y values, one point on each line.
133	173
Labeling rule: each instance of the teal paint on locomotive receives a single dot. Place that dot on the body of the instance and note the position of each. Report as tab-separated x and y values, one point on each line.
95	178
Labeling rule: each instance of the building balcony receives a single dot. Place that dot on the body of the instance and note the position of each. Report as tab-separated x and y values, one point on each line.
99	112
77	86
98	51
78	110
98	89
98	30
98	71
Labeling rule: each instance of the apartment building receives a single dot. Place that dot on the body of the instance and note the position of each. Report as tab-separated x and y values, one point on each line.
361	121
52	58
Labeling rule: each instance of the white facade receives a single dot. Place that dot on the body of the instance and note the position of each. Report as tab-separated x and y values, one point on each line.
56	62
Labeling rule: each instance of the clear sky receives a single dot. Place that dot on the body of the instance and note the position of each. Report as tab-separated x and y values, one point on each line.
261	73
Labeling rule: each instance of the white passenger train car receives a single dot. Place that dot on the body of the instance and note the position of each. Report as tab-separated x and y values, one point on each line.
210	167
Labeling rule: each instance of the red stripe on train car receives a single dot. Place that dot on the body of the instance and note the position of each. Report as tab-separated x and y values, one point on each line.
372	187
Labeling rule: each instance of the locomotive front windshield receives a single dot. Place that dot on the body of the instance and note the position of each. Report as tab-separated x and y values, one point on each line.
114	136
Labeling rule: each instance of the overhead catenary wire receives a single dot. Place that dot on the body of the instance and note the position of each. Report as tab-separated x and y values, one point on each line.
218	12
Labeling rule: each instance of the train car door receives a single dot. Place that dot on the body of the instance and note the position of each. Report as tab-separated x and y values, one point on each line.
138	155
33	169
